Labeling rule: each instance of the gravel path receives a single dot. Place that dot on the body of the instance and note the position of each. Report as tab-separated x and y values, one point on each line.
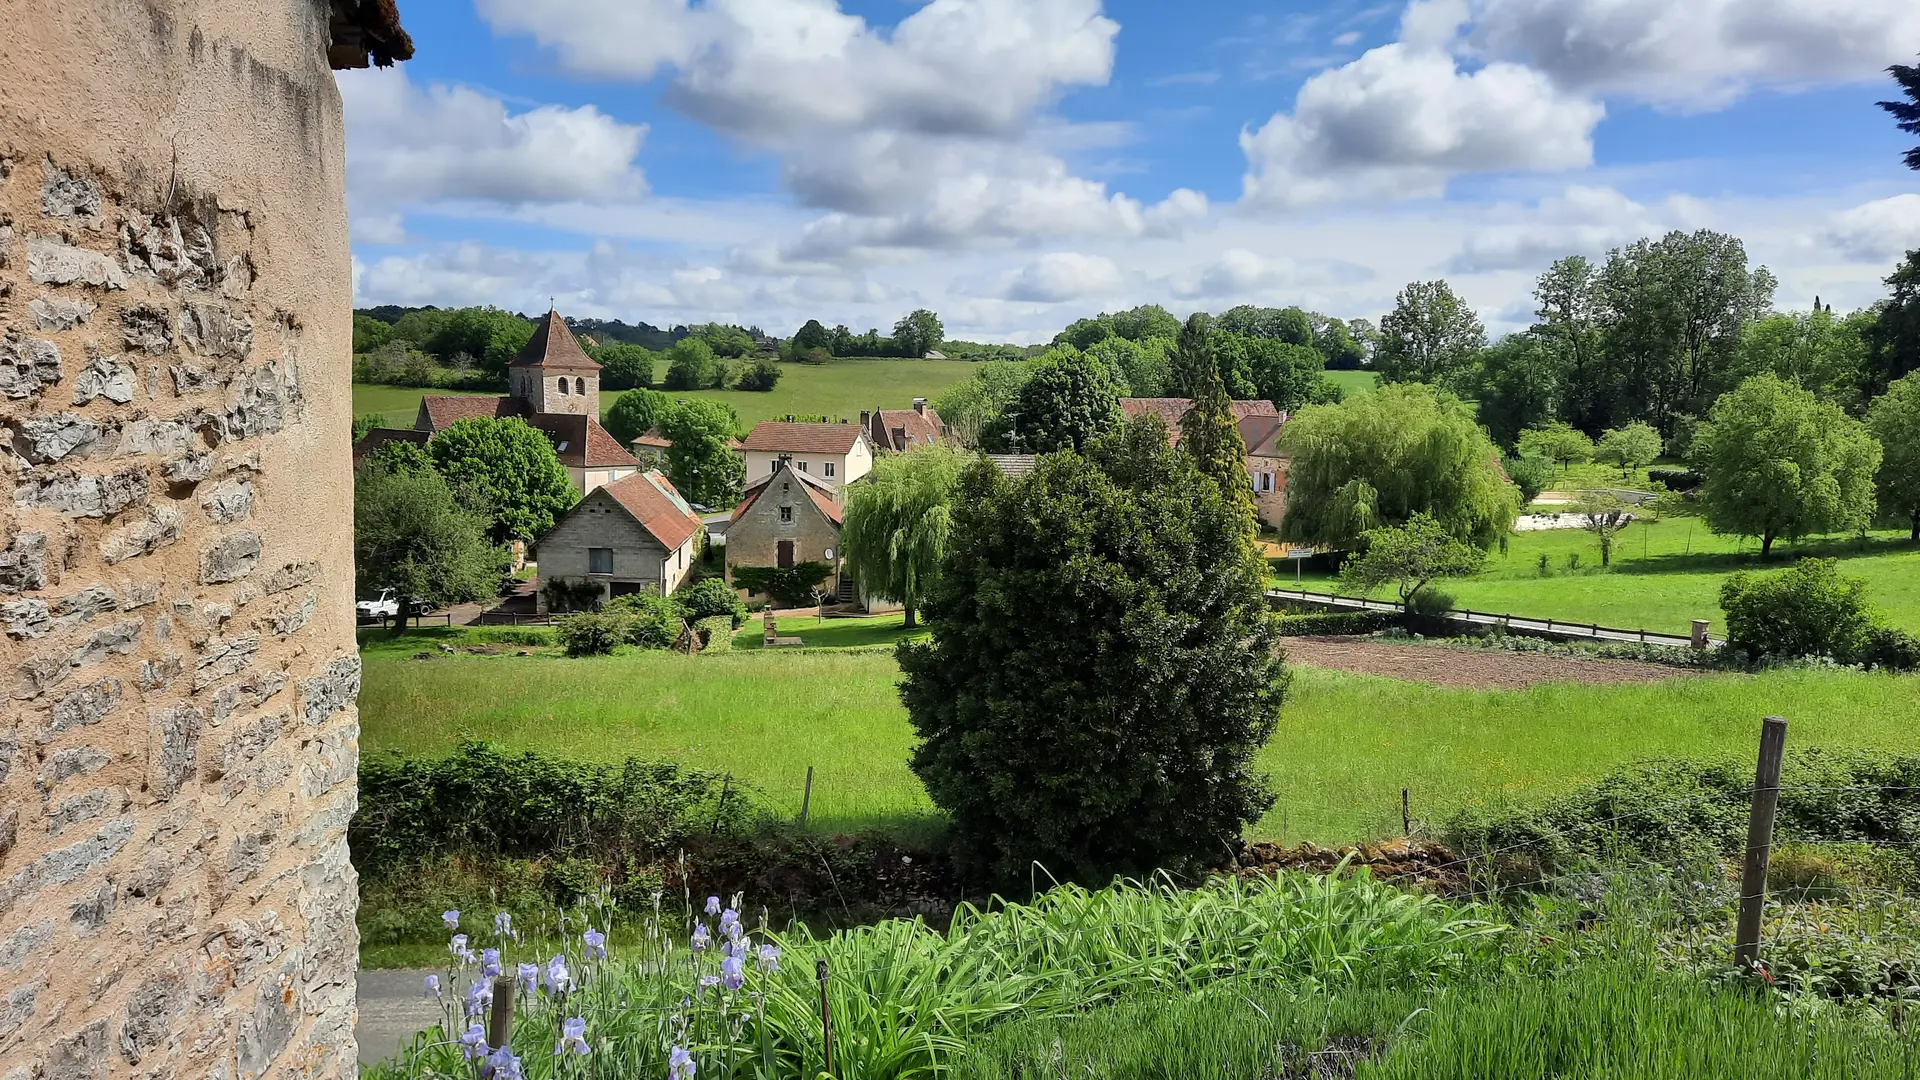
1479	669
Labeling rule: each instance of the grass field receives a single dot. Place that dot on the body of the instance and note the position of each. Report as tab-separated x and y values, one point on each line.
840	389
1664	575
1351	381
818	633
1346	745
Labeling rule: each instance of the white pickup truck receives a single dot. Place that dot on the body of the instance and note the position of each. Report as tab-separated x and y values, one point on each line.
382	607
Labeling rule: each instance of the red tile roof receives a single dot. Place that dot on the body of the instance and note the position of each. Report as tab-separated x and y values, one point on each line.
1258	421
656	506
554	346
439	410
821	495
784	438
581	442
378	437
898	429
653	440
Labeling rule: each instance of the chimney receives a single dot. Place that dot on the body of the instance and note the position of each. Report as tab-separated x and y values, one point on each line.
864	416
920	405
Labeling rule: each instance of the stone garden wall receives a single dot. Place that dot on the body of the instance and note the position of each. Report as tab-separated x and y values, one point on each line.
178	745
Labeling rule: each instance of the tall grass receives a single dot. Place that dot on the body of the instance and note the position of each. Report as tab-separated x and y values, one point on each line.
1602	1021
908	1002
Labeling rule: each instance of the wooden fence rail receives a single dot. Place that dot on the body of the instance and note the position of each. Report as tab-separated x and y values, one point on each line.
1505	621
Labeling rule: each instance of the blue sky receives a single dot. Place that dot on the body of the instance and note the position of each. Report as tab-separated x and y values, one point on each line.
1015	164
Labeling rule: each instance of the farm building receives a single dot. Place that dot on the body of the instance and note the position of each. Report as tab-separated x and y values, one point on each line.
633	535
1259	423
785	519
900	430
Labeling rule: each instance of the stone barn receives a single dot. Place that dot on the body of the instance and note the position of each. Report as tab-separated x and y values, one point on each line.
178	754
629	536
785	519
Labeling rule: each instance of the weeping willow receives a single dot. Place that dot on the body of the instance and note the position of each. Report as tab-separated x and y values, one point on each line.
898	518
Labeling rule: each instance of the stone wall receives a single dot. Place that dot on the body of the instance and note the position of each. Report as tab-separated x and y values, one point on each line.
754	540
600	522
178	750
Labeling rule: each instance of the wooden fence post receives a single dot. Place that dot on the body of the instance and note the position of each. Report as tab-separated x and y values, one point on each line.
1753	875
500	1021
826	1018
1406	814
806	798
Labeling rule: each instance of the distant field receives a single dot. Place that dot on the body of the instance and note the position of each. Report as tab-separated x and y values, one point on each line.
1664	575
1346	744
840	389
1354	380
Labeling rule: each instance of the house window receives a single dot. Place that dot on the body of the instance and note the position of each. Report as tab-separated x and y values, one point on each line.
599	560
786	513
826	469
580	387
563	385
801	465
1263	482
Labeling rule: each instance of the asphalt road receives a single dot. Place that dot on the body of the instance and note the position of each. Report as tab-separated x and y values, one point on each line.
393	1006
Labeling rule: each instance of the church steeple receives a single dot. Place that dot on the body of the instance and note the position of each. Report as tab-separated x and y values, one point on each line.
553	374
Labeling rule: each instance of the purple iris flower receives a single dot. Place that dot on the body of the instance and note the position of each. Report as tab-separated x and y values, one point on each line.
596	943
558	979
528	977
680	1064
713	905
433	985
473	1042
701	938
451	917
503	925
490	961
769	959
732	973
503	1065
458	946
573	1036
479	996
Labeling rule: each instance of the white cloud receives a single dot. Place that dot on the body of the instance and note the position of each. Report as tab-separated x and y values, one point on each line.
1403	119
1876	232
1065	275
409	146
1583	220
1696	54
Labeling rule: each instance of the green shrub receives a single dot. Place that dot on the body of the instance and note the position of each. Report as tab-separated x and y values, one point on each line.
1530	474
1338	622
651	621
710	597
591	633
510	635
1676	479
792	587
1806	610
1431	602
716	633
1891	649
565	595
479	799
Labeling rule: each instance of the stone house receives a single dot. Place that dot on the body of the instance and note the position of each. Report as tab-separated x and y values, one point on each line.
900	430
178	756
634	535
1259	423
786	518
553	385
834	454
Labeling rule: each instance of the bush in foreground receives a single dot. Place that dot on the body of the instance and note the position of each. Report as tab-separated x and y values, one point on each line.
1103	668
1807	610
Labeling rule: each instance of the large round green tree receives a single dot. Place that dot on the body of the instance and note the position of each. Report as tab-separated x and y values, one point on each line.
509	466
1386	455
411	535
1066	404
1102	670
898	520
1782	464
1894	418
702	462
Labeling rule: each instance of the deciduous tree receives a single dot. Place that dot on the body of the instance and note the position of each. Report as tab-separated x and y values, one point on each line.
974	409
1209	435
1411	557
1103	668
1629	447
1604	515
1557	441
1521	385
1894	419
509	465
1066	404
1381	457
692	365
411	535
1779	462
635	413
898	520
702	462
1431	336
623	366
918	333
1893	339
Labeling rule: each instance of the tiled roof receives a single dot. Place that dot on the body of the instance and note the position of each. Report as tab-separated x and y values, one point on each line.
380	436
439	410
1258	421
821	495
653	440
781	437
902	428
554	346
656	506
581	442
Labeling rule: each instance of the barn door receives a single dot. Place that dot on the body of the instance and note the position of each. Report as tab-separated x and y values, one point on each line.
784	556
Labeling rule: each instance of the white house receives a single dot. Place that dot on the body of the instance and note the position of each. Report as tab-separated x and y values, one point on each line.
834	454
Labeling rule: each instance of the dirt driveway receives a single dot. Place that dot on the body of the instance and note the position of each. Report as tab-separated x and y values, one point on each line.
1479	669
